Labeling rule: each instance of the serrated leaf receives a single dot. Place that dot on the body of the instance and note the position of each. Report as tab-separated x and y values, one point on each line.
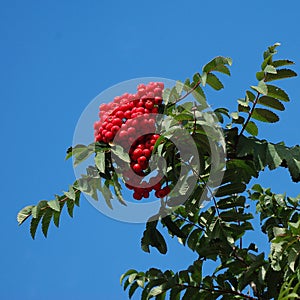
179	86
229	189
265	115
118	189
24	213
70	207
132	289
251	128
127	273
107	195
214	82
175	293
46	221
276	92
217	64
282	62
281	74
100	161
270	69
56	217
199	95
34	224
36	210
173	228
271	102
193	239
54	204
71	193
261	88
81	153
119	152
250	96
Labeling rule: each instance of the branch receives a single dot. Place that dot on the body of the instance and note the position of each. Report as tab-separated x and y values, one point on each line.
220	291
188	93
250	114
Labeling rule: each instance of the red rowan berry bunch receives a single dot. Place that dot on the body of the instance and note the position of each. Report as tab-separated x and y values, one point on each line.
128	117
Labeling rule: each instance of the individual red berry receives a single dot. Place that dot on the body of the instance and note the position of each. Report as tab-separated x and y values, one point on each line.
120	114
109	135
157	186
131	130
146	152
167	190
137	196
137	168
154	110
137	153
158	100
157	92
142	160
117	122
140	146
146	194
123	134
149	104
160	194
130	187
127	114
115	129
109	126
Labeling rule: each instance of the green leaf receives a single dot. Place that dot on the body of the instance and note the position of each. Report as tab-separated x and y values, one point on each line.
118	189
107	195
218	64
129	272
175	292
199	95
271	102
70	206
270	69
119	152
100	161
81	153
173	228
56	217
179	87
34	224
54	204
152	237
261	88
281	74
132	289
250	96
46	221
264	115
71	193
43	204
24	213
214	82
282	62
276	92
229	189
193	239
251	128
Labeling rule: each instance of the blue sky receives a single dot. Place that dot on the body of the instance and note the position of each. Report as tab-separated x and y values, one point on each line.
55	57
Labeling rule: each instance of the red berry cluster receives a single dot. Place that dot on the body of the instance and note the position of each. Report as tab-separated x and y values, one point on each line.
128	117
115	115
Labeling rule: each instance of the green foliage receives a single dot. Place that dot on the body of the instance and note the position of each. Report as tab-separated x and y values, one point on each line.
216	233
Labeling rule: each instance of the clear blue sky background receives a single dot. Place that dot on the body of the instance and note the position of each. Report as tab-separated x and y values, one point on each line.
55	56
